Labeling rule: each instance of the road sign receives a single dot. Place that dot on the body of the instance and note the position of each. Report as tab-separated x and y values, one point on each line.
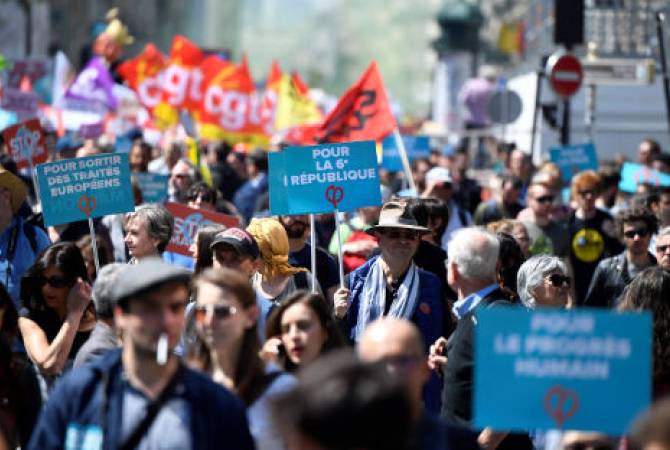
504	107
565	74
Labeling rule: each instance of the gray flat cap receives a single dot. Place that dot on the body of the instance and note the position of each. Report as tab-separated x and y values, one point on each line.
148	273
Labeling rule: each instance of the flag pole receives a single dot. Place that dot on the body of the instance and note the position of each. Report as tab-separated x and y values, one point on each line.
312	243
405	161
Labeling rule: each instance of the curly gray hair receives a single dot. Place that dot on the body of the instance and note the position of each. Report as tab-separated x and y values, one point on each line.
531	274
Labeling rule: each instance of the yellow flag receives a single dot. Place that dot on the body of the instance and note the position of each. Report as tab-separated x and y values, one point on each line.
294	108
195	157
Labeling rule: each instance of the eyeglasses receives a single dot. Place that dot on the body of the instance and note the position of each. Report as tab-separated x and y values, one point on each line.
545	199
181	175
558	280
642	232
54	281
662	248
219	311
587	192
406	235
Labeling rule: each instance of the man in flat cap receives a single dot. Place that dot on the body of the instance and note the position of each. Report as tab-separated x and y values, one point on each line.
142	396
391	285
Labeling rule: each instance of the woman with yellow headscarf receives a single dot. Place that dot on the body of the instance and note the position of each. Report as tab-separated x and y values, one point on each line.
276	279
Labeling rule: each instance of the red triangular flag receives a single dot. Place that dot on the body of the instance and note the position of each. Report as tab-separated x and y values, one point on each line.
362	113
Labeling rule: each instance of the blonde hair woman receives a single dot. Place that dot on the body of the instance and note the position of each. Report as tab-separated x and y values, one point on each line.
276	279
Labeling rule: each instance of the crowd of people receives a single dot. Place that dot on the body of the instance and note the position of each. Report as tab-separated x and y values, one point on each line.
240	346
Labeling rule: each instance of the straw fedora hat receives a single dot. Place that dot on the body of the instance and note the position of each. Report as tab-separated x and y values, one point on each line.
396	214
15	185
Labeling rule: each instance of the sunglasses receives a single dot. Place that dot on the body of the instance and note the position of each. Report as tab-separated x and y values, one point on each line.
662	248
54	281
630	234
557	280
545	199
406	235
219	311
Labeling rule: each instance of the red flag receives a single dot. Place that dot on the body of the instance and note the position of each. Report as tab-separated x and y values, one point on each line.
299	83
363	112
143	74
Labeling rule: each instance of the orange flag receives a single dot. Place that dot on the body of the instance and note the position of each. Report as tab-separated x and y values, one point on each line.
363	112
143	74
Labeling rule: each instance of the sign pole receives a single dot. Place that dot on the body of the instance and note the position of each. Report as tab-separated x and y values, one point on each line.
340	262
33	175
404	159
538	99
94	245
312	243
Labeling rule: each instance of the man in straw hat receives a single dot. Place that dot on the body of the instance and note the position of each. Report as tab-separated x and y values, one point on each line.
391	285
20	242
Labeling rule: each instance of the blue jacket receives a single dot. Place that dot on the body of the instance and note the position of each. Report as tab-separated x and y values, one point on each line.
428	317
76	410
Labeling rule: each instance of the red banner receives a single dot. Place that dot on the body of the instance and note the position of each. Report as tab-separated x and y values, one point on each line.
187	221
25	141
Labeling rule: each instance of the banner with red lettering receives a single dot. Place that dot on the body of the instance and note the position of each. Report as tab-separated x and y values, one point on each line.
182	82
25	141
231	107
187	221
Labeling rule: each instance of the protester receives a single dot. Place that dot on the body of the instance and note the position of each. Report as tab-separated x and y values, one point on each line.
300	330
201	196
635	226
543	281
592	232
651	432
276	279
236	249
104	336
85	245
164	164
22	241
57	315
248	195
182	176
510	259
504	204
662	248
650	291
439	184
20	398
647	151
513	228
471	267
392	285
203	256
103	402
547	235
139	156
150	229
466	191
300	252
227	349
398	344
438	219
341	403
521	166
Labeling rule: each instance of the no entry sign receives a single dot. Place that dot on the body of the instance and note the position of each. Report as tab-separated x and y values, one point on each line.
565	74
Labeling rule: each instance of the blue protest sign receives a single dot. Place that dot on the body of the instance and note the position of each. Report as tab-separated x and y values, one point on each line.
82	188
572	159
322	178
154	187
417	147
633	174
582	369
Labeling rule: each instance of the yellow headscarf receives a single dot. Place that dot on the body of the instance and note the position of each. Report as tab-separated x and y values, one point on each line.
272	241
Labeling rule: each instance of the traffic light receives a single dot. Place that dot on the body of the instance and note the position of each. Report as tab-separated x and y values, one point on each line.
459	22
